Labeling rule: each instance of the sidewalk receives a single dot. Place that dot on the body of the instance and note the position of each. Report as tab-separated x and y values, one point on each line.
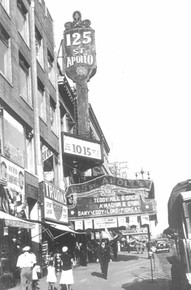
130	272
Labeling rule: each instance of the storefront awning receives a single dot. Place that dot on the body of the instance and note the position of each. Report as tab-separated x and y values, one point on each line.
12	221
62	228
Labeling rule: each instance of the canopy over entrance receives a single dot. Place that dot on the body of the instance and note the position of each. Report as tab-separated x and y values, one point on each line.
62	228
13	221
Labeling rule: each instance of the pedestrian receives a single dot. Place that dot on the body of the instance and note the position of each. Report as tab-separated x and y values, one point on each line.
51	275
35	275
77	254
115	249
26	262
137	246
67	277
104	257
82	254
57	259
142	247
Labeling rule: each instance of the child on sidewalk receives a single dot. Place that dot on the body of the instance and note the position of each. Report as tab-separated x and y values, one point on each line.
51	275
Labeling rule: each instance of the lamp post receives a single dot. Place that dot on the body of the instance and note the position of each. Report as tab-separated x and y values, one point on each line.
142	172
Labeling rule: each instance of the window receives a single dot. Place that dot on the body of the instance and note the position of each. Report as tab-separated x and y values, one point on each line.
23	21
5	54
14	145
39	47
51	71
53	115
25	80
41	101
50	165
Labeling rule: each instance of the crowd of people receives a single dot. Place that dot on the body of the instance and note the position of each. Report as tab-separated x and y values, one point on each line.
27	263
64	259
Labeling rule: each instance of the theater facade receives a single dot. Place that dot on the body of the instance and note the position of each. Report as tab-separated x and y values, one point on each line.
109	202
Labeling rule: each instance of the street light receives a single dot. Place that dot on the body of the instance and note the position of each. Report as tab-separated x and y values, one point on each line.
142	172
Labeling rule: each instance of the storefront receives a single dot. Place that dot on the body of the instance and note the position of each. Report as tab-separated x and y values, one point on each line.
15	226
55	228
14	234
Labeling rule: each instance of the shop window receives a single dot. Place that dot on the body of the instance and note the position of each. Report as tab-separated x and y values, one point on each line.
30	157
23	21
5	4
39	47
42	101
51	71
53	115
14	145
25	80
5	54
49	165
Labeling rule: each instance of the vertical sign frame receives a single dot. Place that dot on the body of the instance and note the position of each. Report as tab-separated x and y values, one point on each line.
79	49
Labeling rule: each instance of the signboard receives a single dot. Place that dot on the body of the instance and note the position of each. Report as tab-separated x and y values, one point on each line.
122	221
81	147
14	201
78	225
55	204
145	220
46	153
105	223
88	224
55	211
108	196
79	49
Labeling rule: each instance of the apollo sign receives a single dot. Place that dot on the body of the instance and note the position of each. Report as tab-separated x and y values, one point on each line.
79	49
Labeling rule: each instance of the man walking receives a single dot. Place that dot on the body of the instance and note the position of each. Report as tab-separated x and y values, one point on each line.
104	257
25	262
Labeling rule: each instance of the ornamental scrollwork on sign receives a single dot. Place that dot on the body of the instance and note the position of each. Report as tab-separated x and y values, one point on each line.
77	22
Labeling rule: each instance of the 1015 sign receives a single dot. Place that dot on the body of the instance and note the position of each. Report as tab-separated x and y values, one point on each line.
79	49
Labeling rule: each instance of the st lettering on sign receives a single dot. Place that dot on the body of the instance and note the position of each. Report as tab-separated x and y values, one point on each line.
79	49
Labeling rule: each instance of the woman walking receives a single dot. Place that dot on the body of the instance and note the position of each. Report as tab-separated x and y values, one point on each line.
67	271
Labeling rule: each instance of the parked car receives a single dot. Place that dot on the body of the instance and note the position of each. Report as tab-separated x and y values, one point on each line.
162	246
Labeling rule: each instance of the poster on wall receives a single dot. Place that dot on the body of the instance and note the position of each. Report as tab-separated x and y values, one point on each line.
14	200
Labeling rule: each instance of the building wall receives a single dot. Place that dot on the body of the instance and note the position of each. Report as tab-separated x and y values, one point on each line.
18	108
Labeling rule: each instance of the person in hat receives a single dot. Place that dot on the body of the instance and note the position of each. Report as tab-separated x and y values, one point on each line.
67	277
104	257
26	262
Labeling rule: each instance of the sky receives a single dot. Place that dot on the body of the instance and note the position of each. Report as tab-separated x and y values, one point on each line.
141	93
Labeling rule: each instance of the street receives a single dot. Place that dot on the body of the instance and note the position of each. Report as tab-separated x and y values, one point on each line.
131	271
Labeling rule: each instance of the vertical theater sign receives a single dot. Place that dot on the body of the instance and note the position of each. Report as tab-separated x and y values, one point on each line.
79	49
79	64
